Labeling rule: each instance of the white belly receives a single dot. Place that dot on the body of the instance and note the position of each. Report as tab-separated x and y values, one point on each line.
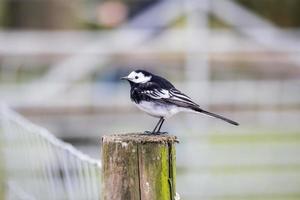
158	110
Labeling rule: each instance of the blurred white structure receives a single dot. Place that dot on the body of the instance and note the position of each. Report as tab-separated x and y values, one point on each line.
258	160
88	50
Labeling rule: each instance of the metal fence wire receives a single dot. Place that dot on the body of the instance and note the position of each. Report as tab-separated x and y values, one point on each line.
37	165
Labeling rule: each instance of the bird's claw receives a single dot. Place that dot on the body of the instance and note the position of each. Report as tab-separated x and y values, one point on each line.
148	132
160	133
155	133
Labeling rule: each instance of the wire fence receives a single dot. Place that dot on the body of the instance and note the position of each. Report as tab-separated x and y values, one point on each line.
37	165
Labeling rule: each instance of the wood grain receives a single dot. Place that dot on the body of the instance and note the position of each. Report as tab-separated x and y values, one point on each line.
138	167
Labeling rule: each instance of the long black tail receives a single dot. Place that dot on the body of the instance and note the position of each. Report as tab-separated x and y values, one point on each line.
216	116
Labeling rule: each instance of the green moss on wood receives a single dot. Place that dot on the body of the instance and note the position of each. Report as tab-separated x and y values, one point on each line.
2	168
154	171
151	168
172	171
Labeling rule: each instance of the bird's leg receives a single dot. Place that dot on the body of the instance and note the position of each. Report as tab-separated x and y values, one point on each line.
160	120
158	131
153	132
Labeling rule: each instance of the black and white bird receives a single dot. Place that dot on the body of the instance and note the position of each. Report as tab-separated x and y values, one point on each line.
159	98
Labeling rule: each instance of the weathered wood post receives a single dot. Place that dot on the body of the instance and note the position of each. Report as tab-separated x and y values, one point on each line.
2	161
2	170
138	167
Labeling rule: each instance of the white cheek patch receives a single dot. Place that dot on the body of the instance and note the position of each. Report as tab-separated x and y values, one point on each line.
144	79
141	77
132	75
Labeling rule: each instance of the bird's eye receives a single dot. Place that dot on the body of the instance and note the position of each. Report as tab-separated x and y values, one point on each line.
136	77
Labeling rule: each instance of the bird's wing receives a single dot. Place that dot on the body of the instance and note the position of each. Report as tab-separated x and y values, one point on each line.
171	96
180	99
156	92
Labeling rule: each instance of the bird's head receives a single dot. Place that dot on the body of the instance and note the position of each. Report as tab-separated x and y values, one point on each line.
138	76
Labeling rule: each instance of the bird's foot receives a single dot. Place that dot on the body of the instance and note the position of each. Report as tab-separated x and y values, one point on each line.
160	133
155	133
148	132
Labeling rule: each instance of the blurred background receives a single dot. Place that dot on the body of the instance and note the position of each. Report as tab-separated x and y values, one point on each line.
60	63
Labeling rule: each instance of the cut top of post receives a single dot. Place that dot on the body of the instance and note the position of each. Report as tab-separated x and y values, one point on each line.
140	138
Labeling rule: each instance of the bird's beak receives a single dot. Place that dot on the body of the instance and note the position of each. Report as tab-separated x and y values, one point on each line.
124	78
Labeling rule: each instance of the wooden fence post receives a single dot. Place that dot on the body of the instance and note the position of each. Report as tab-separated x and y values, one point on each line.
2	167
138	167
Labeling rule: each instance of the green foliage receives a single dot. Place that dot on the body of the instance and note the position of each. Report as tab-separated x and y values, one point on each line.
215	22
284	13
254	138
2	12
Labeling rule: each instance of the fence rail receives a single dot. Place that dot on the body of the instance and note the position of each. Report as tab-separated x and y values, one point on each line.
220	93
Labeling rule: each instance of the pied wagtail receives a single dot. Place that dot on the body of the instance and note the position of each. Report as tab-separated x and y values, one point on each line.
159	98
